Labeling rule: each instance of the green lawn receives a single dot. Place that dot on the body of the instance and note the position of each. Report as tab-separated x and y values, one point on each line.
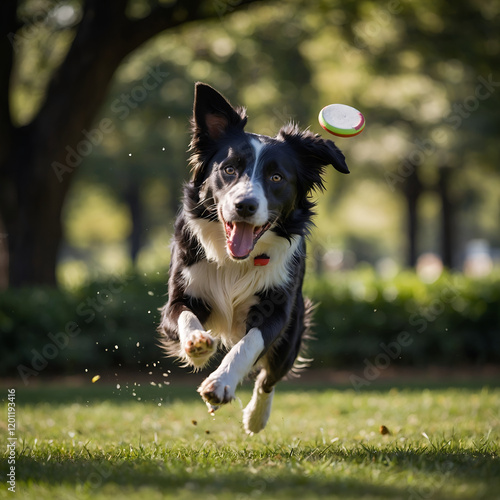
149	442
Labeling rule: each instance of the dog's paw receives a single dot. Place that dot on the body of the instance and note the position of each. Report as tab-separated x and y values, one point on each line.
256	414
211	408
199	347
215	391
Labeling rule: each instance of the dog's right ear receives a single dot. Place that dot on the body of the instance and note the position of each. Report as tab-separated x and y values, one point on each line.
212	113
213	117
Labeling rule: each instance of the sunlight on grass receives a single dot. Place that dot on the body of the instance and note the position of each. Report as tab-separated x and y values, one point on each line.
98	442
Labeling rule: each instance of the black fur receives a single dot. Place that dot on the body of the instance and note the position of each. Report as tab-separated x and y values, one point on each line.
300	157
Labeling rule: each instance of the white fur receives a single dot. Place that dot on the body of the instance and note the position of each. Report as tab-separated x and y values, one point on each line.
248	187
257	147
245	189
257	412
220	386
191	331
212	237
230	287
187	323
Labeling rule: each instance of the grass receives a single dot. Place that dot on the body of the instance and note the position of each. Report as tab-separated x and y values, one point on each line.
148	441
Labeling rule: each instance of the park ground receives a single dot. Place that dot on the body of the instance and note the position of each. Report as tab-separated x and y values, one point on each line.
425	435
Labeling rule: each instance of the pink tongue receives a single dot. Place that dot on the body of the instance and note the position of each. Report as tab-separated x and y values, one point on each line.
240	241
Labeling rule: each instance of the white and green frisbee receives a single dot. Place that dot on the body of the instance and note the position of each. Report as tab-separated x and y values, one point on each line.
341	120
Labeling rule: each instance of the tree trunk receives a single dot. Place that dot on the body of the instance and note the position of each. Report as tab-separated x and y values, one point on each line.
38	161
412	191
133	199
447	227
8	25
39	166
4	258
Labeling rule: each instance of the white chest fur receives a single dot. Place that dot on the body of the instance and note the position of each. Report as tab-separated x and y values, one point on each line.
230	287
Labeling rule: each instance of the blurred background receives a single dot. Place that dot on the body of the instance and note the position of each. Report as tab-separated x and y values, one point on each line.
95	105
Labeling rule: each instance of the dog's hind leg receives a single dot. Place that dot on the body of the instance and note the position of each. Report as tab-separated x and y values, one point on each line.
257	412
278	362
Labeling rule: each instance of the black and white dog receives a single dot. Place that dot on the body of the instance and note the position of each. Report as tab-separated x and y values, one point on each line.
238	254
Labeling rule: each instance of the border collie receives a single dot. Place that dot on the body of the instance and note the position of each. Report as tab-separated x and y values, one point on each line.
238	254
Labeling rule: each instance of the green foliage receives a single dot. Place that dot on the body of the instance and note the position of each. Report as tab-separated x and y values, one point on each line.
452	321
111	323
95	442
413	68
106	324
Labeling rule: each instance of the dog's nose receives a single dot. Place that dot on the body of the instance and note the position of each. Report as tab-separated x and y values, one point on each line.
246	207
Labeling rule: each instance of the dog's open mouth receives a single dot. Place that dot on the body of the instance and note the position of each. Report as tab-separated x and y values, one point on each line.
241	237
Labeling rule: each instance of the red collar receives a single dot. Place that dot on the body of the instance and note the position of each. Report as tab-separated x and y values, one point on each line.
261	260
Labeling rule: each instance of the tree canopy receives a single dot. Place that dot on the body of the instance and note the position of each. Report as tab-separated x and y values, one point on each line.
95	121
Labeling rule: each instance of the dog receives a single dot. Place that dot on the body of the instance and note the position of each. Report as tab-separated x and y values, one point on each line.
239	250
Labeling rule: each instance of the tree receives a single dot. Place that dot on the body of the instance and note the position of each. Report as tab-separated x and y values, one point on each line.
38	160
453	52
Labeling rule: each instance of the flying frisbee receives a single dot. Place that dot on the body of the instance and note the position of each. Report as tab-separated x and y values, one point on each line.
341	120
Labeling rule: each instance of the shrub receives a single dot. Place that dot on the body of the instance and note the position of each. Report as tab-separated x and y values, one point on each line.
111	323
452	321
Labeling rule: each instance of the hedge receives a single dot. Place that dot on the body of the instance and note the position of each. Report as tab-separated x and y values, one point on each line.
359	318
453	321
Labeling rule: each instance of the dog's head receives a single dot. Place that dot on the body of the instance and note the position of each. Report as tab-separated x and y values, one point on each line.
252	183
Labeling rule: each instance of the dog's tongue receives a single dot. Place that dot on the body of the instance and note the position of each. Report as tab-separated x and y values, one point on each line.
240	240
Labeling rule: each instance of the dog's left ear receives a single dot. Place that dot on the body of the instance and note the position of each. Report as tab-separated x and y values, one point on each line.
314	151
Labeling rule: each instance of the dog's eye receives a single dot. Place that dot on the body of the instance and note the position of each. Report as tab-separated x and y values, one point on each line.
230	170
276	178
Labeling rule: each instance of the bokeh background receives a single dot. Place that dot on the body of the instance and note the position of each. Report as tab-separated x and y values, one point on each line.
96	100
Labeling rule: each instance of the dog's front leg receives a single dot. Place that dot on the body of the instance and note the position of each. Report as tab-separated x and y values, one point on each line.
197	345
220	386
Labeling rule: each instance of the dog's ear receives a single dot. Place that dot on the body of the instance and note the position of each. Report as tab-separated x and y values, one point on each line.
213	117
313	151
212	113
